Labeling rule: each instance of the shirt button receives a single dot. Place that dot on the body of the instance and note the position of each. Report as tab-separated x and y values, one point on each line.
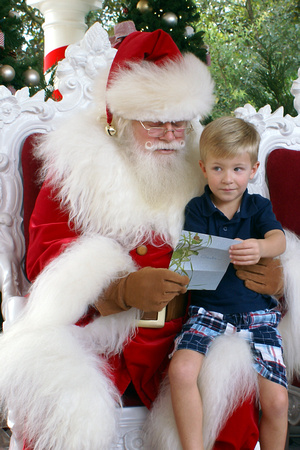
142	250
224	228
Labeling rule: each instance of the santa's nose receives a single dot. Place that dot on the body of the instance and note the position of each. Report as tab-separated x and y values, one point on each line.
169	134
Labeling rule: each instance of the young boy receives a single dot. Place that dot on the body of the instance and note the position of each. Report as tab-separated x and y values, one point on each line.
228	152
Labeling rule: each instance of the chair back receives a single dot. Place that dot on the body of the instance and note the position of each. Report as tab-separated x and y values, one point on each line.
278	177
21	119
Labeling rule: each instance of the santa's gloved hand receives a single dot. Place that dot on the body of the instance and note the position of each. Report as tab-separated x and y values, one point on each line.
265	277
149	289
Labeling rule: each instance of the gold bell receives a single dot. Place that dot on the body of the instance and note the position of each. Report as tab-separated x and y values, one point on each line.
110	131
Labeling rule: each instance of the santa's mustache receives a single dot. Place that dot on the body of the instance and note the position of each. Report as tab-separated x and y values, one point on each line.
176	145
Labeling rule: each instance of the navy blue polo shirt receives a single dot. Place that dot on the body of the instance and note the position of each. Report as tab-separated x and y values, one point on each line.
254	218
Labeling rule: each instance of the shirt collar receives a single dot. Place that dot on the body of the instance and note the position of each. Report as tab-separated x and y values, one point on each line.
247	208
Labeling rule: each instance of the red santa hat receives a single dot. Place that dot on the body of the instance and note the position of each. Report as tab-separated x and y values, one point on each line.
151	80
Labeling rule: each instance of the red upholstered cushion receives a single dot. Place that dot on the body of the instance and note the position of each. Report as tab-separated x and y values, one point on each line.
30	168
283	174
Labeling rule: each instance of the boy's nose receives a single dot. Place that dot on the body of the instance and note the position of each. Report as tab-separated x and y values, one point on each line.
227	178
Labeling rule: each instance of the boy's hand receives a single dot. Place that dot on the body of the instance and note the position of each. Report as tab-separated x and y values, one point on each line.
246	252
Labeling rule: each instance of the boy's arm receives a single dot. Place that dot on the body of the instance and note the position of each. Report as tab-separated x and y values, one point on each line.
273	244
251	250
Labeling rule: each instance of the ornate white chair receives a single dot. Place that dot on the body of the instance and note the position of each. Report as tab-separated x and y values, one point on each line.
278	179
20	118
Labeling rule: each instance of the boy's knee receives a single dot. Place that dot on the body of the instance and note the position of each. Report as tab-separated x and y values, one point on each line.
282	403
177	373
277	405
182	372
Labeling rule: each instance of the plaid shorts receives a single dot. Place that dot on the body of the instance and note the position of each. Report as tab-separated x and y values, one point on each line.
259	328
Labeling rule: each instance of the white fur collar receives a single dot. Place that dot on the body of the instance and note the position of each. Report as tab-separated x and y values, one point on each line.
100	192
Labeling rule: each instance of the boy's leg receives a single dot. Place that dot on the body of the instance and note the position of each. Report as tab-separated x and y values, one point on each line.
187	405
274	405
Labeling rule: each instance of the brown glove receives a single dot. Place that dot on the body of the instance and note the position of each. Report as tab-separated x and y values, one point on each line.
149	289
265	277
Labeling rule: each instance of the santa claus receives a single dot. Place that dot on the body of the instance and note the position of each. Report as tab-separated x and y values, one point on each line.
117	179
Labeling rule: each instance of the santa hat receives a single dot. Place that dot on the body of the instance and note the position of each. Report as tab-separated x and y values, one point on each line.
151	80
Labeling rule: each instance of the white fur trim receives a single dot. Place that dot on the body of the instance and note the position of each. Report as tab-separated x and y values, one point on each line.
180	89
226	379
289	325
75	279
54	377
160	427
58	389
100	190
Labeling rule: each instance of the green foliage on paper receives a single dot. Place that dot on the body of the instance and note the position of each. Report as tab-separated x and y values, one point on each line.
189	244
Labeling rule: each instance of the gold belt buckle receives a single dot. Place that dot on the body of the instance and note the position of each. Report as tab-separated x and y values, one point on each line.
153	319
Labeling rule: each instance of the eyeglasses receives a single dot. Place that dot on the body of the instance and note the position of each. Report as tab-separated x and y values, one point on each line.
156	130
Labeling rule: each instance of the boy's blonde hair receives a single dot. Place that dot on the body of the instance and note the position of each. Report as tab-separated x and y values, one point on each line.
228	137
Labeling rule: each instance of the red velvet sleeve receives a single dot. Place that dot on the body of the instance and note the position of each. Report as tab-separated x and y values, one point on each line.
49	232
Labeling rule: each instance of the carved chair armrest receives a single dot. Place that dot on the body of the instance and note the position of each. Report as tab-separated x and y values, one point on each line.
14	287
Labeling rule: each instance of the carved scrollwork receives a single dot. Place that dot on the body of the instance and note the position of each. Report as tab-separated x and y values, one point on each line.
265	121
12	106
36	105
15	279
134	440
75	73
294	405
276	131
9	107
7	242
248	112
83	62
4	162
295	90
90	54
6	219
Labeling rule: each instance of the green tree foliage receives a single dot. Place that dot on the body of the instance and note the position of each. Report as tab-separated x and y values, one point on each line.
172	16
254	47
149	15
23	42
108	15
254	44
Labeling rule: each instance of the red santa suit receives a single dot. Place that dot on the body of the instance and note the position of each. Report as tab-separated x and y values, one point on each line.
145	357
66	380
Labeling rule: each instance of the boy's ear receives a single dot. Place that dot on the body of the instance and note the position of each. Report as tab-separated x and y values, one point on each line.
202	166
254	170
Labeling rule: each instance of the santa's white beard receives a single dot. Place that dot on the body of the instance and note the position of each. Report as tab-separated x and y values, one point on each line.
119	190
160	176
